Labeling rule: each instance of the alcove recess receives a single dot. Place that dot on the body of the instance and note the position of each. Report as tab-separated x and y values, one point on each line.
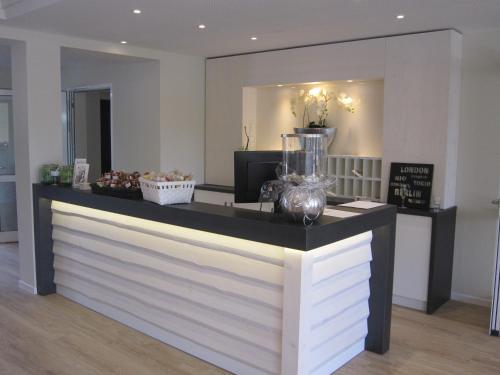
355	154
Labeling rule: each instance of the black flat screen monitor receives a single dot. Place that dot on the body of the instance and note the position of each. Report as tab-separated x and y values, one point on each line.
251	170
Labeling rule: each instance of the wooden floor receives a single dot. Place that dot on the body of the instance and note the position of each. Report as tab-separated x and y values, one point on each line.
51	335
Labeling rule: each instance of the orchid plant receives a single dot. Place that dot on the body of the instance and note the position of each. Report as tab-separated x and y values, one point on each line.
319	98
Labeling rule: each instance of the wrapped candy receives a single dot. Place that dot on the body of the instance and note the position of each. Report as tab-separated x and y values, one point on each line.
174	175
119	179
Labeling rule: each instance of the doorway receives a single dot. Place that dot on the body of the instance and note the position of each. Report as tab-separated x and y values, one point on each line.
8	210
89	128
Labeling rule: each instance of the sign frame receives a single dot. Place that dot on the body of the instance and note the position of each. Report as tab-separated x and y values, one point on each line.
410	185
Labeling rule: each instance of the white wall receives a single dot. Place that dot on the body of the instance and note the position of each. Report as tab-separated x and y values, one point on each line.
37	116
182	109
225	78
358	133
135	132
421	75
273	117
478	167
421	98
37	133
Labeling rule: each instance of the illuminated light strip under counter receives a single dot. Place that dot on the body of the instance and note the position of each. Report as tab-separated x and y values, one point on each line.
246	306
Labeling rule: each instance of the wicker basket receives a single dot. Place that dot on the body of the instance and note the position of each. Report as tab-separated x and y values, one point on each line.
167	192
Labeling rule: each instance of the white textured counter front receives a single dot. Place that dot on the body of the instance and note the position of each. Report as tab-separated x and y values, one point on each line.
245	306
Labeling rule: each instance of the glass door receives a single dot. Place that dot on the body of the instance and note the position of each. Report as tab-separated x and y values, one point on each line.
8	210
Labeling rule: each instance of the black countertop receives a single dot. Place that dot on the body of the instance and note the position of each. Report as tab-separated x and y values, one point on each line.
257	226
333	201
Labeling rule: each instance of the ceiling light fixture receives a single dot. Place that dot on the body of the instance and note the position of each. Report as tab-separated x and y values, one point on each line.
137	11
123	42
349	80
279	85
400	16
201	26
253	38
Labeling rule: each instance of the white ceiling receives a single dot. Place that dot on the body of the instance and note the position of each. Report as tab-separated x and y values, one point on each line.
171	24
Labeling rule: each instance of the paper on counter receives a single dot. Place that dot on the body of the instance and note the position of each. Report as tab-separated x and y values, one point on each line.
339	213
365	205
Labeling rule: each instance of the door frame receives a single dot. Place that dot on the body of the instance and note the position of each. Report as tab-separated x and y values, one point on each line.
10	236
70	94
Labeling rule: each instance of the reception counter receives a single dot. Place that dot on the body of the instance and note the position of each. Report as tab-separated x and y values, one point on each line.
247	291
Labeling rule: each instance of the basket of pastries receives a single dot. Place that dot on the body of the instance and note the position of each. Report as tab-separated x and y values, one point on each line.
167	188
118	184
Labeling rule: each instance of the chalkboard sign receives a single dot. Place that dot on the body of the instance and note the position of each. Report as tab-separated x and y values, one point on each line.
410	185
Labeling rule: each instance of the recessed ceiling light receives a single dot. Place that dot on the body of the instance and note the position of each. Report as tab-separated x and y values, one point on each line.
201	26
279	85
137	11
253	38
349	80
123	42
400	16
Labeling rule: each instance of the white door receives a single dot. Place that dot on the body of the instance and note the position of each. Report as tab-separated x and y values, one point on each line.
8	211
495	310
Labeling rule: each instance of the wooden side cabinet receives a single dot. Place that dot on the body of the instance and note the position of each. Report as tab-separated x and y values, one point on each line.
423	263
